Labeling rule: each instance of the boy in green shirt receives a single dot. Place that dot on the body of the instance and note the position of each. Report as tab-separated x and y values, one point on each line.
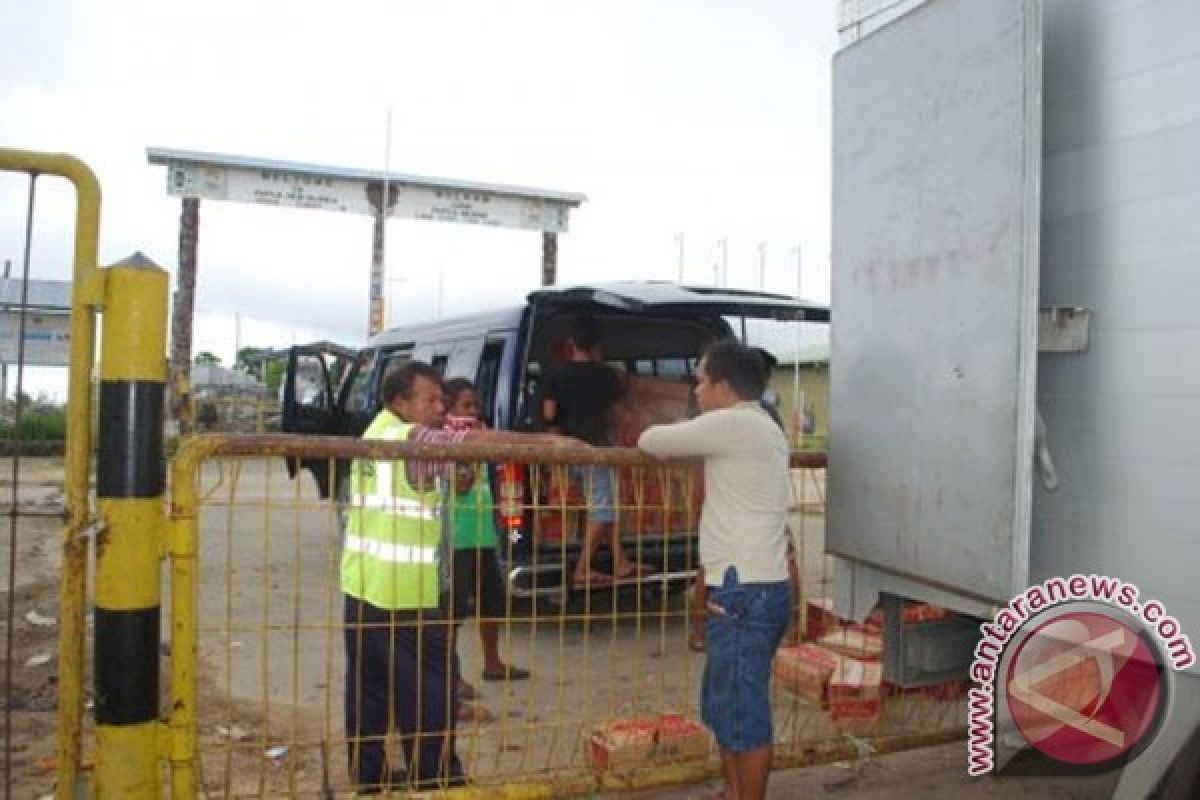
476	570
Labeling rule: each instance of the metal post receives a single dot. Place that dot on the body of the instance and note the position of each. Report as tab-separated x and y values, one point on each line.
130	481
549	258
375	292
679	238
4	365
181	319
724	261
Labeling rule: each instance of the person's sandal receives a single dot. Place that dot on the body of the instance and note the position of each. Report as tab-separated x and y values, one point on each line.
506	674
696	643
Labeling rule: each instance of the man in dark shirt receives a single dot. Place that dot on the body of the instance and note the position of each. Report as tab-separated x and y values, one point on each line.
578	400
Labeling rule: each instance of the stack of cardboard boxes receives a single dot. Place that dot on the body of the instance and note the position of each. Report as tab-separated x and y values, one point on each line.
838	667
623	744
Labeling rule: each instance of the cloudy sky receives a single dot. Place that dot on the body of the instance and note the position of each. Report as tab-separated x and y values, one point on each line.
699	117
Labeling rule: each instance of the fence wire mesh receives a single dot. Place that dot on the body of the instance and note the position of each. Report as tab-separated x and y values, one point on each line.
611	699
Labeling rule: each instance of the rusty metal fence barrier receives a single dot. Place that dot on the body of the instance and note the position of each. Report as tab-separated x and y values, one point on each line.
259	651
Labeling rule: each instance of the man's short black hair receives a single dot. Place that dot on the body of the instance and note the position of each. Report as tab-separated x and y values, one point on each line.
740	366
585	332
399	381
454	387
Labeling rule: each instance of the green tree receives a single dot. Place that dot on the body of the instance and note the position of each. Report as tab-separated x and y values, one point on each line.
273	373
249	359
205	357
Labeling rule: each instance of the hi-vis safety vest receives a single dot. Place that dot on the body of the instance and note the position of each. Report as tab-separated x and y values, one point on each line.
390	553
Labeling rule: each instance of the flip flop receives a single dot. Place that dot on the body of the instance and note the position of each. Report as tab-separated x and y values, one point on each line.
696	644
634	572
474	712
507	674
593	579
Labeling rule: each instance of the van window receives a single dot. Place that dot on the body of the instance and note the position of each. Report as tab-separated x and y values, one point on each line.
674	368
464	358
486	378
357	391
392	359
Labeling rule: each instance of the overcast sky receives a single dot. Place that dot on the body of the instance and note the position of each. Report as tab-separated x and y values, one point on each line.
706	118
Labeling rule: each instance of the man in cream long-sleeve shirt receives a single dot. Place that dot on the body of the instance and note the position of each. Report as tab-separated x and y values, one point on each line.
743	549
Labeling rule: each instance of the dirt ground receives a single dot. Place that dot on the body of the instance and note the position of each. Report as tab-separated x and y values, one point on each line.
30	718
271	659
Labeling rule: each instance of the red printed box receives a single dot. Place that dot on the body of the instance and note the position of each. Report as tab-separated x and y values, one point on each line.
681	739
856	715
805	670
622	743
854	642
855	679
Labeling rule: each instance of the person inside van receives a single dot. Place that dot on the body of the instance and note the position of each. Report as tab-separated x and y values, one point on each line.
475	571
579	399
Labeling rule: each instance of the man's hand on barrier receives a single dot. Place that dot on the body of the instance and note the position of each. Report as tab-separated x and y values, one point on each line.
561	442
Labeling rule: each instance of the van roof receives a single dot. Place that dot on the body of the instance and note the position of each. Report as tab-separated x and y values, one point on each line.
630	296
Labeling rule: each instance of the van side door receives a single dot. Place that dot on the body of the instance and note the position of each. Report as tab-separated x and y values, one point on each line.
314	374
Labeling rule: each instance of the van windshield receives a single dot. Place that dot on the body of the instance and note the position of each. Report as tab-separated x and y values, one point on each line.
790	342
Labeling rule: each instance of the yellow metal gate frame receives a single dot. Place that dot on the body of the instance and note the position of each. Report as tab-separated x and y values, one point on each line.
87	292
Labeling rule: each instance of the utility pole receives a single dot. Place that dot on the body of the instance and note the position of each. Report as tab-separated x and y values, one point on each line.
679	239
797	252
762	266
382	202
4	364
237	337
724	261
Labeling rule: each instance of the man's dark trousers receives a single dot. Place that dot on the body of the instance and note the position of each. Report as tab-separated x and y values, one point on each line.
397	670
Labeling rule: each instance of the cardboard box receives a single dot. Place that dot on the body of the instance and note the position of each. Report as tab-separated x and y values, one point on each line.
923	612
856	641
820	620
639	741
856	715
805	670
622	743
681	739
856	694
856	679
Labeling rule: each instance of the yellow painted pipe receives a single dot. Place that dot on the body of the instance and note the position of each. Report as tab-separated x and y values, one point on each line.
86	292
130	483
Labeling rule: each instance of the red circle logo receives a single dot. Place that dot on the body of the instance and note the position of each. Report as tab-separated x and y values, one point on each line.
1085	688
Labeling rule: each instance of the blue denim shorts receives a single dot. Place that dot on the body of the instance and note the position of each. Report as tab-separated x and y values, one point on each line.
595	481
735	698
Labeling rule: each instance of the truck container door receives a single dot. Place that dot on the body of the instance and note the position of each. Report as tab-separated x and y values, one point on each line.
936	142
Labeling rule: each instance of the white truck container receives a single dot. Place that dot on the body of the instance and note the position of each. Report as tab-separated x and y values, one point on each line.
1015	387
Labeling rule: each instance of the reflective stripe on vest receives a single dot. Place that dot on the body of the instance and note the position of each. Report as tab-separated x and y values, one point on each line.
393	532
392	553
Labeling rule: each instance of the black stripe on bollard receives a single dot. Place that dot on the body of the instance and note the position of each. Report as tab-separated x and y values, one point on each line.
130	459
126	666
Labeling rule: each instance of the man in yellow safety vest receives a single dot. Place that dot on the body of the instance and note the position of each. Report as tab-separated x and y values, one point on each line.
399	667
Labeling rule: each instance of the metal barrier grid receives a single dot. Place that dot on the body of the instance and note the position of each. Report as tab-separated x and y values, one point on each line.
264	697
86	296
